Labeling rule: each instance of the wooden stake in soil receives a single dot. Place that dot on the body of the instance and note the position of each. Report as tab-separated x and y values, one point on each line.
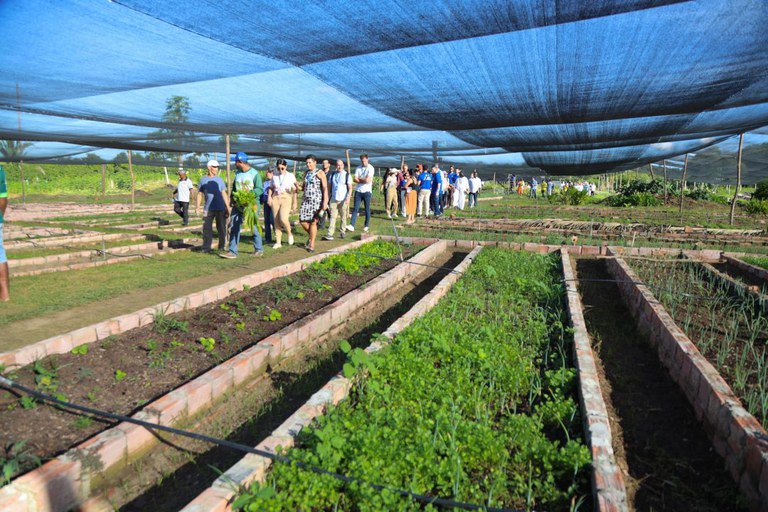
226	138
682	186
738	179
21	160
133	179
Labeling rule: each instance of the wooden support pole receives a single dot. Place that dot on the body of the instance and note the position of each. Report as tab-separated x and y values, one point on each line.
682	185
103	181
738	179
226	138
133	179
664	163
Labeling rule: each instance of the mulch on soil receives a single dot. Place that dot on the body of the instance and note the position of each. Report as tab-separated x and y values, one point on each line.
121	374
667	460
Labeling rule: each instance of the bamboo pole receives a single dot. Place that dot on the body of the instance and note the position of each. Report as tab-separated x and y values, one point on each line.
650	169
133	179
226	138
738	179
664	163
21	160
682	186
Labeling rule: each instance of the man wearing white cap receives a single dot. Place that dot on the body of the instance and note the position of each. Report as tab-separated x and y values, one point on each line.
216	206
181	196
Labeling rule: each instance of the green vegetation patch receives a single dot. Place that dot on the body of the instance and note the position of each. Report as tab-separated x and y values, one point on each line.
474	402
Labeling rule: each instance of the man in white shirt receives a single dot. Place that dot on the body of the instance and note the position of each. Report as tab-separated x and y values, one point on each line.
475	184
364	181
181	197
339	183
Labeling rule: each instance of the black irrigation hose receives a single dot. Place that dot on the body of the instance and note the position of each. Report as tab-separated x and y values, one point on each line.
422	498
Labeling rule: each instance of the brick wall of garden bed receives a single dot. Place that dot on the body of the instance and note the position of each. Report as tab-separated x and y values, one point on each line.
253	467
608	486
736	435
67	480
63	343
735	286
758	272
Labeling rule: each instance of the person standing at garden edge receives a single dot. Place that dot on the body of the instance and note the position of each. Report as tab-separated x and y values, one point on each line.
181	197
315	200
248	179
5	286
216	206
364	179
283	187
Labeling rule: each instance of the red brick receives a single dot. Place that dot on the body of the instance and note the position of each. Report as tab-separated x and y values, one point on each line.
54	486
170	407
128	322
137	438
241	369
221	381
109	446
756	455
199	394
258	358
207	502
60	345
608	480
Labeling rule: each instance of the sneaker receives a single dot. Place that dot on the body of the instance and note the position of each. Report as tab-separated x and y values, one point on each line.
277	245
389	215
290	239
365	229
228	255
327	237
258	254
350	227
394	215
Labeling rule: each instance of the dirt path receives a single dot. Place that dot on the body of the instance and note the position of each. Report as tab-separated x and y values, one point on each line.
25	332
667	460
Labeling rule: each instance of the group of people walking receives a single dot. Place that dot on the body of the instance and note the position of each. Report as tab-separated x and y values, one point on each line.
327	194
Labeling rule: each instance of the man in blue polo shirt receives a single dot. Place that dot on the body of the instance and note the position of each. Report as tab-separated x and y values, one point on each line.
5	287
247	178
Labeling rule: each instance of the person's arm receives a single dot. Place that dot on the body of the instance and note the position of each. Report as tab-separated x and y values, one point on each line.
324	188
198	199
3	204
225	196
369	175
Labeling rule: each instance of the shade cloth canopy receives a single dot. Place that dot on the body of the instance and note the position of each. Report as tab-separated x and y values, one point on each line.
570	87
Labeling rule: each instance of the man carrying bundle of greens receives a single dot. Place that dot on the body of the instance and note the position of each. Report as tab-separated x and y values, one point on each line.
5	287
246	191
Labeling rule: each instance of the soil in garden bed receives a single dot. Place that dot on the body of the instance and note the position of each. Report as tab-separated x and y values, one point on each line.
180	469
745	277
121	374
667	460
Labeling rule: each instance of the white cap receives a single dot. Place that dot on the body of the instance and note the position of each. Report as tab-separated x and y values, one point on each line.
213	163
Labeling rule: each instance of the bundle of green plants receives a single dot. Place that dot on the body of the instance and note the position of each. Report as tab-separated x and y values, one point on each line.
245	201
756	207
357	260
761	190
637	193
473	402
634	199
569	196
